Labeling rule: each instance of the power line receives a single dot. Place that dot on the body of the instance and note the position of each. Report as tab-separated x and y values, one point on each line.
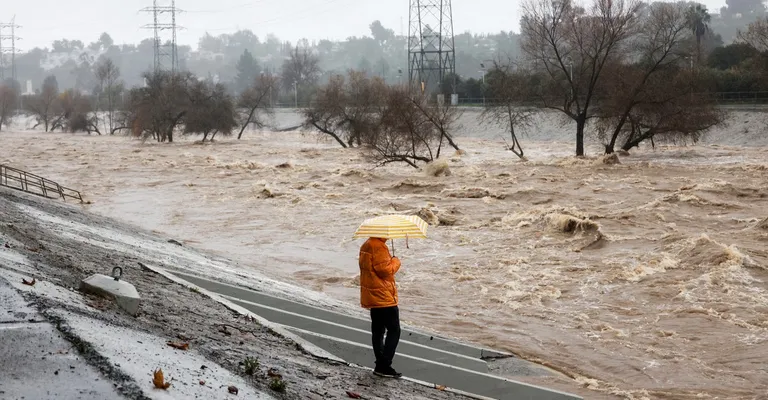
168	50
4	49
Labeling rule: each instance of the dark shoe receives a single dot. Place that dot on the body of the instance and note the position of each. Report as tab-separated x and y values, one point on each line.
387	373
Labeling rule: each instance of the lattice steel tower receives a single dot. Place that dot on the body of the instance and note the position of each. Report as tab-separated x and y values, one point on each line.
166	53
431	54
8	40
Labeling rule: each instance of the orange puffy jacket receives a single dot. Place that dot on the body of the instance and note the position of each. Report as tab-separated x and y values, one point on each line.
377	275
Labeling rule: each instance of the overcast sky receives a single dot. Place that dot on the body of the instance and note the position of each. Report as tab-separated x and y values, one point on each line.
43	21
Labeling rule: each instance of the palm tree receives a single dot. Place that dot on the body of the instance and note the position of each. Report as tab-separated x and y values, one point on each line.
698	22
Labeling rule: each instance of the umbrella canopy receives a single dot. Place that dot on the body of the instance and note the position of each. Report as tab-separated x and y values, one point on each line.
393	227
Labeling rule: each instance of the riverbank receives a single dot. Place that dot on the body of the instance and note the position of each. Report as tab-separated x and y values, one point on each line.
104	343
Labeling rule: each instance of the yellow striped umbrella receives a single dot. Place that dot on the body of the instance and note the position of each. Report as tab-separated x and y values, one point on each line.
393	227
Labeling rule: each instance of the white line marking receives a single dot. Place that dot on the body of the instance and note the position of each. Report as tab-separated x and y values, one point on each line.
405	327
468	371
479	361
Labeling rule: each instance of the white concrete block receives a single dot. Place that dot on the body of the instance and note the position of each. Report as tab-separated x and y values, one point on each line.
124	294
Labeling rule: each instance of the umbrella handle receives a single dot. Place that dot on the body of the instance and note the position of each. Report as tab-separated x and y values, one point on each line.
407	246
393	247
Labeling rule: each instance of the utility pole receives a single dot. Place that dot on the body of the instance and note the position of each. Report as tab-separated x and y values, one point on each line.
166	54
8	38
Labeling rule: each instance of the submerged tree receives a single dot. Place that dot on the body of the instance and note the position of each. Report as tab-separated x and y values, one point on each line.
255	102
44	106
347	109
109	91
158	109
658	48
511	87
211	110
8	103
572	46
386	120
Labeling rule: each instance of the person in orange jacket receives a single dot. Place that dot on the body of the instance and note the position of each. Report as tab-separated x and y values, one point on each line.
378	293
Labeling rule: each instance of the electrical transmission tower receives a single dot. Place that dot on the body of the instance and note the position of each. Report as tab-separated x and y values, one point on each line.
166	51
431	54
8	40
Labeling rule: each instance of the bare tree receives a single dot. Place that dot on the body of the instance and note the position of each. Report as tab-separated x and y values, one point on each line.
756	34
256	102
302	68
347	109
44	106
442	116
110	89
571	46
211	111
8	103
657	47
365	97
405	134
510	87
326	113
392	125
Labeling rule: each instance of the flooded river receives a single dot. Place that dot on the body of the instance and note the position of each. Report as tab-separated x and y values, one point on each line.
645	279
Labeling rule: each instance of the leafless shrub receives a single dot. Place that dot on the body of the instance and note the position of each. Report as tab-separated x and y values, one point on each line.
511	88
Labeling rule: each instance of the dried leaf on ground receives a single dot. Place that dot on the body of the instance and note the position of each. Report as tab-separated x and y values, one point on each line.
159	380
28	283
353	395
233	389
180	346
440	387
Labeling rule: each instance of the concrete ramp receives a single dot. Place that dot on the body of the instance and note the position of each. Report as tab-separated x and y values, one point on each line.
420	356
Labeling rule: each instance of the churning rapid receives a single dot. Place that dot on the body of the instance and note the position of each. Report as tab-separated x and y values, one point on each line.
645	279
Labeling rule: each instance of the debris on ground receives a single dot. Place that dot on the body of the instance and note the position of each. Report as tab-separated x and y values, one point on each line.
159	380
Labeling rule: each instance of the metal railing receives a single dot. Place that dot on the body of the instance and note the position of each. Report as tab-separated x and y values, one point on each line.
30	183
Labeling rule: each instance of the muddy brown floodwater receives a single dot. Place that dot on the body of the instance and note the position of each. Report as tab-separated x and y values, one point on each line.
642	280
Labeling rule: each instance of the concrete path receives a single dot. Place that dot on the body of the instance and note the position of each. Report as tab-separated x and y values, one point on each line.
420	356
36	362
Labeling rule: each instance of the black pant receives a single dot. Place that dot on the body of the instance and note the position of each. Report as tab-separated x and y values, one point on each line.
385	320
